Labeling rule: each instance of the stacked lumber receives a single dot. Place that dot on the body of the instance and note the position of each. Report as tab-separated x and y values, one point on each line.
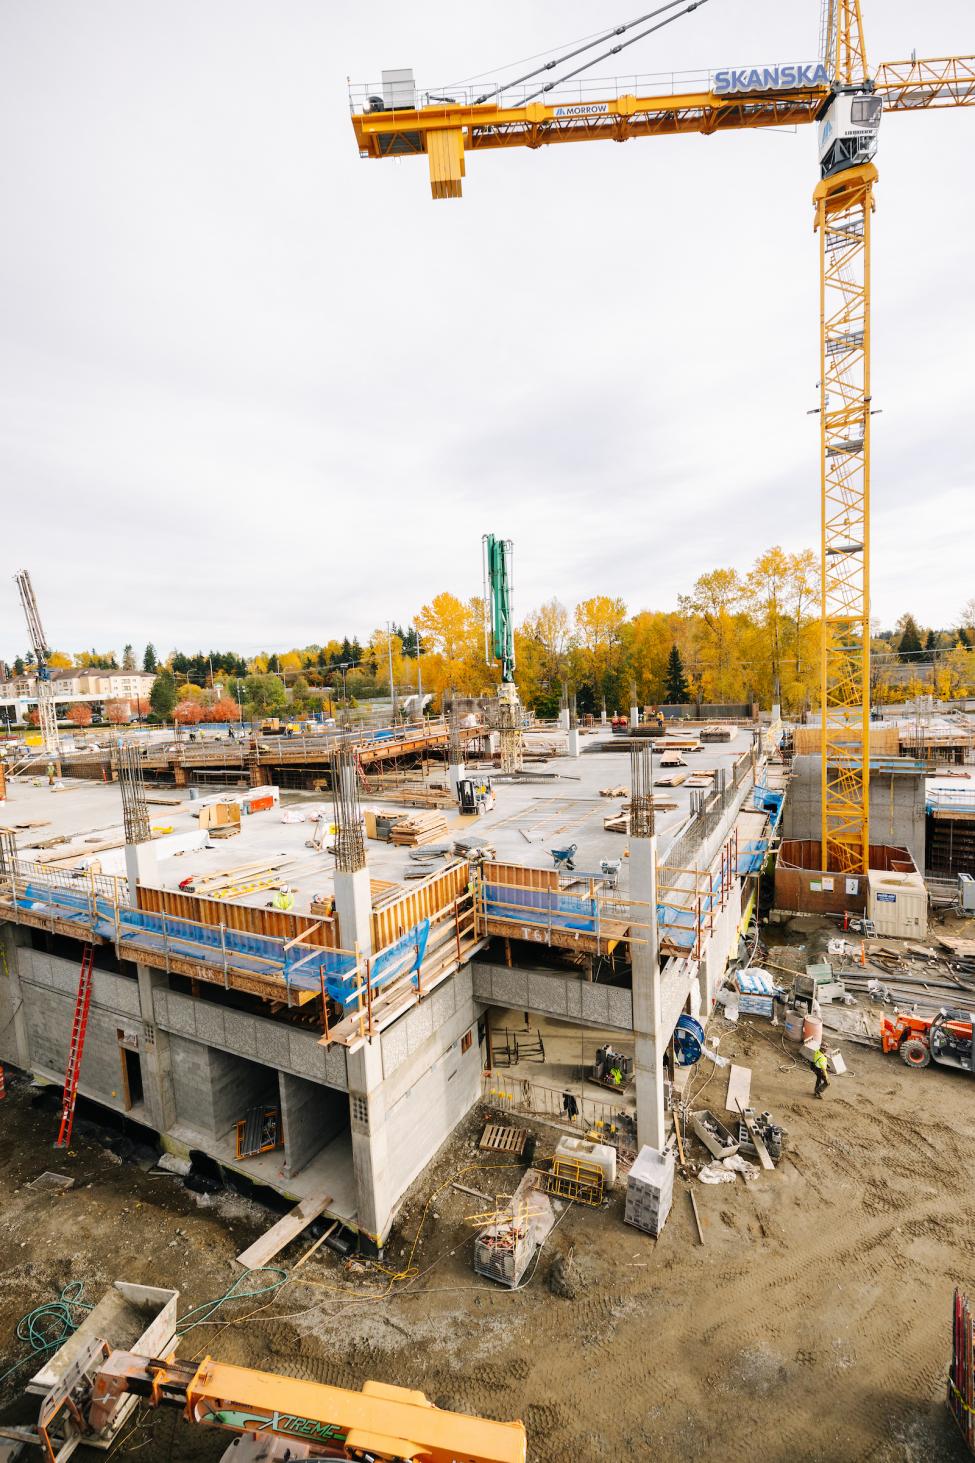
614	792
620	822
419	828
673	780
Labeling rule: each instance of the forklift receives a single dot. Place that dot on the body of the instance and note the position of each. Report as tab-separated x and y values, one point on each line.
475	796
945	1039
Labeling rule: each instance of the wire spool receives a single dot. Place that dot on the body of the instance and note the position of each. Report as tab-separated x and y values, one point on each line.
688	1041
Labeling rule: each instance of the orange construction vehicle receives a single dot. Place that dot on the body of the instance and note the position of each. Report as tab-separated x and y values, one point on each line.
945	1039
274	1418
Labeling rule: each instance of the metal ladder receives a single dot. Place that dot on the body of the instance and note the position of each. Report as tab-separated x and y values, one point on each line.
76	1049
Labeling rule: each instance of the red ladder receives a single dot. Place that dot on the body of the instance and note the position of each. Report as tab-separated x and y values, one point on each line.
78	1028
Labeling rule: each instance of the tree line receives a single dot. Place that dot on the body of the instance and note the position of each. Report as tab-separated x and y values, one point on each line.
735	637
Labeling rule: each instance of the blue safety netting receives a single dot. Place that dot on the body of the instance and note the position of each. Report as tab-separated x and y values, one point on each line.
540	906
260	954
306	967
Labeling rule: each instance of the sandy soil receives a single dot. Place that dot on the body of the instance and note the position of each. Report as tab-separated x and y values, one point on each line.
813	1324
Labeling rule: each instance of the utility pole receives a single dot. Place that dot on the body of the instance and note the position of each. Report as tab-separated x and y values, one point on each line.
419	674
392	684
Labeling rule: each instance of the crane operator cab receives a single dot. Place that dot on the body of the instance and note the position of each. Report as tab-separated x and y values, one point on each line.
848	129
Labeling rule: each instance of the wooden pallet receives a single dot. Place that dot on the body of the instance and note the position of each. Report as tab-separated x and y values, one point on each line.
496	1138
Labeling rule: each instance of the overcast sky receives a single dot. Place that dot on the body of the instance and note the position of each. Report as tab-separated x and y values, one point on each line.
257	392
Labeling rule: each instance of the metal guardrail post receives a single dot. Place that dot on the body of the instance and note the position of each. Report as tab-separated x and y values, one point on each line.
223	951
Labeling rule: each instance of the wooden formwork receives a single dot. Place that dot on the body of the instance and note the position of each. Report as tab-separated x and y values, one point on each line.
315	929
426	901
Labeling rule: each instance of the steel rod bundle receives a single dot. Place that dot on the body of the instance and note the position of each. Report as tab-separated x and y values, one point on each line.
961	1377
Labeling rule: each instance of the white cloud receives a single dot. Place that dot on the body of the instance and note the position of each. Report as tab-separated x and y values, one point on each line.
255	391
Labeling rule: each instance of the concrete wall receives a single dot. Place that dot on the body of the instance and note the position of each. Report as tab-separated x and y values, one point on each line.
428	1097
49	985
896	807
213	1088
283	1047
311	1116
552	994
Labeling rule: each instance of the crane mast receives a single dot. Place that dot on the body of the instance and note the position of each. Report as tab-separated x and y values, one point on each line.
843	202
46	709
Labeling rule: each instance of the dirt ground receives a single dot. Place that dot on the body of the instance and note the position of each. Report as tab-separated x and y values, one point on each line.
814	1323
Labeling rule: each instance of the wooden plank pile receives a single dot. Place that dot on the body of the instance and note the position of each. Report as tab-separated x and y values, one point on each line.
419	828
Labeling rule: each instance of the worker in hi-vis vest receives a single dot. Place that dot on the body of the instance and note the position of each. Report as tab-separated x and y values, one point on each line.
820	1067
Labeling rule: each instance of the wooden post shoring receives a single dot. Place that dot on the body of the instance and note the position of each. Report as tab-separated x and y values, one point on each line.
507	952
369	997
358	988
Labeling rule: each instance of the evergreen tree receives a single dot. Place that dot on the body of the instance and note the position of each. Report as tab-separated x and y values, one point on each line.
128	658
149	661
162	697
676	681
273	663
18	666
930	646
910	646
964	639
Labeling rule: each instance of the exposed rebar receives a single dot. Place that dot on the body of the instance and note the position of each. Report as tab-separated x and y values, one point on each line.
455	751
641	792
135	810
350	848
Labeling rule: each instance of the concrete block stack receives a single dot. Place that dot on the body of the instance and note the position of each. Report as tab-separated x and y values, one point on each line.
650	1190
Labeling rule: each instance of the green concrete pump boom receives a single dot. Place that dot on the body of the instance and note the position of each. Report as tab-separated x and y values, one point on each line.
499	629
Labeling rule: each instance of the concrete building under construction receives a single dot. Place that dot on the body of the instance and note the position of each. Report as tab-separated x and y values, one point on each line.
311	990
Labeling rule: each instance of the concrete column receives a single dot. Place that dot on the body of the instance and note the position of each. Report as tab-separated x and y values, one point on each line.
634	716
367	1111
650	1040
455	771
704	987
353	905
11	938
574	742
564	718
155	1053
141	866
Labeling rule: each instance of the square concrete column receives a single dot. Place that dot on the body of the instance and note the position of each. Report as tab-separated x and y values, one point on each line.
634	716
650	1041
141	866
367	1112
353	906
455	772
564	718
155	1052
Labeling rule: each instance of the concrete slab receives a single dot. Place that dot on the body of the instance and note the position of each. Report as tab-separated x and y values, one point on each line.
527	821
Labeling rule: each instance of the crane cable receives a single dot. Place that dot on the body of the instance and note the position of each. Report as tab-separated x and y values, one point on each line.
604	36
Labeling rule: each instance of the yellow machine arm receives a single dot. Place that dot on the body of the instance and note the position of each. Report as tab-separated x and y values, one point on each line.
447	131
274	1417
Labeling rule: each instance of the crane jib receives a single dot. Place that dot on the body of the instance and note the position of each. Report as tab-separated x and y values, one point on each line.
769	78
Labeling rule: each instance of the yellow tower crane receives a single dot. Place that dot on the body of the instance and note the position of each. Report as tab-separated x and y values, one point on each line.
840	94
